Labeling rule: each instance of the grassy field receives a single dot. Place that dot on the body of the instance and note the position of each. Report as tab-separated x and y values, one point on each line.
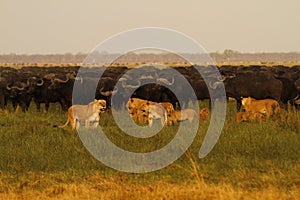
249	161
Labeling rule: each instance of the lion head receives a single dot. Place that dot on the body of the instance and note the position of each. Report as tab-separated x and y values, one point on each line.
99	105
204	113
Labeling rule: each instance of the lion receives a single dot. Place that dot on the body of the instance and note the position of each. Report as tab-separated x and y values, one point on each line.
141	114
135	103
185	114
138	110
169	109
203	114
249	116
88	113
157	111
268	107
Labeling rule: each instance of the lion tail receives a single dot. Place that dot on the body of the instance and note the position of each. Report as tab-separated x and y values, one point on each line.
63	126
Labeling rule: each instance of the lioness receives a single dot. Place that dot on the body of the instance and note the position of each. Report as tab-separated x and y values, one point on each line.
157	111
135	103
185	114
169	109
248	116
264	106
87	113
141	114
138	109
165	109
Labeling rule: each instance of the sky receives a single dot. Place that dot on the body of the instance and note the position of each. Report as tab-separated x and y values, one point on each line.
73	26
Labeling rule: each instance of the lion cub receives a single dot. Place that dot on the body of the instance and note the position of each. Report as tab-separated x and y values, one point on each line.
203	114
248	116
87	113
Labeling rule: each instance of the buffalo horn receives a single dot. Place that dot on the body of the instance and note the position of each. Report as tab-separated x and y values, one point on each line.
166	81
215	85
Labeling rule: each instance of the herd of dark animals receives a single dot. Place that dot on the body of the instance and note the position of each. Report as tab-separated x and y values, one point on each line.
45	85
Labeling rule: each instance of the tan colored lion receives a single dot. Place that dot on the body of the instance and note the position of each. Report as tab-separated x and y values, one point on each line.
249	116
88	113
135	103
157	111
268	107
203	114
139	110
185	114
169	109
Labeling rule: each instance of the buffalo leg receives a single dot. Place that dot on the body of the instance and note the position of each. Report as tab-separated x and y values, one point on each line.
284	105
2	101
38	106
238	104
47	104
63	105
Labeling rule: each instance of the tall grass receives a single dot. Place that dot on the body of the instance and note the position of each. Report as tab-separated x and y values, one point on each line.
248	157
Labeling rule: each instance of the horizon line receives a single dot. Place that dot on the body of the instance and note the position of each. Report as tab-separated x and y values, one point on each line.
143	53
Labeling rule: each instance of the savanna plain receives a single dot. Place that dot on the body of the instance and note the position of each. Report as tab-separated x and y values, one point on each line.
251	160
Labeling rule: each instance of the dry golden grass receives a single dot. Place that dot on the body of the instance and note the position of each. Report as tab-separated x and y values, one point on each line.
251	161
99	187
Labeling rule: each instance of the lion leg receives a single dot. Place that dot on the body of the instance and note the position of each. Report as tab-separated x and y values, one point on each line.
162	120
72	121
165	119
191	119
87	123
76	124
96	122
150	120
73	124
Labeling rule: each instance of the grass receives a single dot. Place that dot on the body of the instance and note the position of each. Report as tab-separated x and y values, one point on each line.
103	187
249	161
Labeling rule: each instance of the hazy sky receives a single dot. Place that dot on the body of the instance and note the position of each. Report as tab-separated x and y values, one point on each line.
61	26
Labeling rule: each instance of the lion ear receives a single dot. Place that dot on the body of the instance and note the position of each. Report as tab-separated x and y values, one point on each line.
95	100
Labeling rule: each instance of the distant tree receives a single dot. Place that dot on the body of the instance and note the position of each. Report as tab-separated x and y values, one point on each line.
227	54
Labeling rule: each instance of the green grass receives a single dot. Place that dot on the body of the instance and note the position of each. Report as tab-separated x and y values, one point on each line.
251	156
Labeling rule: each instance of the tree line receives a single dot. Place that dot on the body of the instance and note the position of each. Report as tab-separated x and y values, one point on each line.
226	56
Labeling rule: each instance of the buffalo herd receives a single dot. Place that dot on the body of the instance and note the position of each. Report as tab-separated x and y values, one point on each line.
45	85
